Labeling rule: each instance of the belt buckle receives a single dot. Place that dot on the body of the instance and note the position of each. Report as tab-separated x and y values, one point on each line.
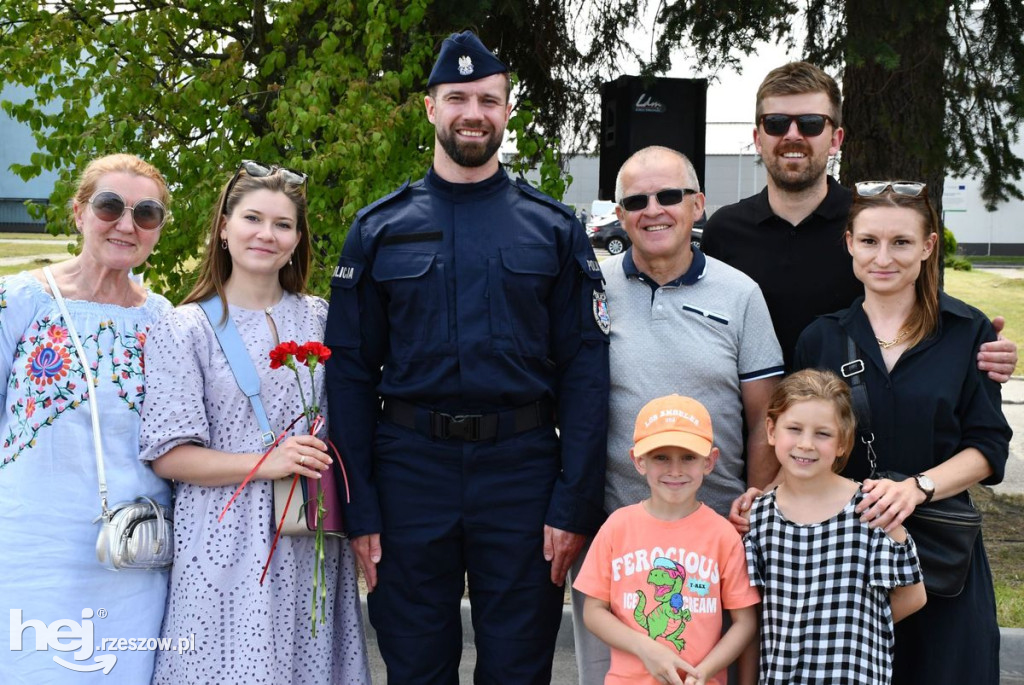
461	426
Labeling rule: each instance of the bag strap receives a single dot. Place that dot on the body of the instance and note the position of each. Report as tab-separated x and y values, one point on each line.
852	371
93	399
238	360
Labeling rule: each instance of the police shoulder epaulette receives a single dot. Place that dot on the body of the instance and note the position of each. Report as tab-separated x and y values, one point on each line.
528	189
376	204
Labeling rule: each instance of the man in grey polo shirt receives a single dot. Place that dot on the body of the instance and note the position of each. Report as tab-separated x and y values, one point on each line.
681	323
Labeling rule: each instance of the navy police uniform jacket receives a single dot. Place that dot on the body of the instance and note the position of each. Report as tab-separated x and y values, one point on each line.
470	298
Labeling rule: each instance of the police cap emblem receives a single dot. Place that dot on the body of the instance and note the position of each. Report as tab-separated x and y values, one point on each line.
465	65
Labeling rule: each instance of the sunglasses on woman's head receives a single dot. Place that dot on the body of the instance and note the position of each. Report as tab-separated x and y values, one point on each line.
260	170
148	213
666	197
809	125
873	188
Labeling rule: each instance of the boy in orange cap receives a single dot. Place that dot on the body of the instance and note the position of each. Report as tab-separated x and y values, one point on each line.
660	574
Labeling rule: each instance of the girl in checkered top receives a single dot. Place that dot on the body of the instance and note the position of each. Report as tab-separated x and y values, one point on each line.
831	587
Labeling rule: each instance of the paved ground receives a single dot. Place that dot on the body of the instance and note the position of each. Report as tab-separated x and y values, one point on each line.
1013	408
564	670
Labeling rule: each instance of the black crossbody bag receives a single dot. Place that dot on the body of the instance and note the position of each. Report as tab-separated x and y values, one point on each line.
944	530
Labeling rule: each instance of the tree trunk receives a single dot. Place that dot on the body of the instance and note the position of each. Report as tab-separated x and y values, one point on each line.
893	104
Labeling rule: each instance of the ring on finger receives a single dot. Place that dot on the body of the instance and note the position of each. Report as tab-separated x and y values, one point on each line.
302	459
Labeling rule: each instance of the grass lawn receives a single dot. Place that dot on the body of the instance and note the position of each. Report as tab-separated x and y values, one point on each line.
981	260
26	266
28	245
996	296
34	236
29	249
1005	546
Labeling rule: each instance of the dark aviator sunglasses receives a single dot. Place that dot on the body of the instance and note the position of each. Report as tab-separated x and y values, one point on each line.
148	213
666	198
809	125
260	170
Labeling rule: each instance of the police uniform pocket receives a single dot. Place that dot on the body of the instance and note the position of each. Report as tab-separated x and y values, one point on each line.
417	300
519	290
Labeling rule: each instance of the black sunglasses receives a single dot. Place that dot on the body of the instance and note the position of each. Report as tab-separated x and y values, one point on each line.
260	170
148	213
873	188
809	125
666	197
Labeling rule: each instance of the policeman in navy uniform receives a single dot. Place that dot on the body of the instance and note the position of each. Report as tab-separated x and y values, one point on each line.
467	320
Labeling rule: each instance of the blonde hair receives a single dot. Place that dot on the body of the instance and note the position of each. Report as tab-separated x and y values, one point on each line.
89	180
818	384
216	266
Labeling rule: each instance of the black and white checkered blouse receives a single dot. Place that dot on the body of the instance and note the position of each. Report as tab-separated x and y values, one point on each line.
825	595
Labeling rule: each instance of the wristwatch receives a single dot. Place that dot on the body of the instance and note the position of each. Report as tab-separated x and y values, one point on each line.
925	485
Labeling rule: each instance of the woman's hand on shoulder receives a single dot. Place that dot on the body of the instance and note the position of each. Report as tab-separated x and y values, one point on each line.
998	357
304	455
888	503
739	512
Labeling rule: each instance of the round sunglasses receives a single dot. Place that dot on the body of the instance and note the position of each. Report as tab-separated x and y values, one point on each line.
666	198
148	214
809	125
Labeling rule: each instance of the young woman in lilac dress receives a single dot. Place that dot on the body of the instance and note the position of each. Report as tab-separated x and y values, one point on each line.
201	431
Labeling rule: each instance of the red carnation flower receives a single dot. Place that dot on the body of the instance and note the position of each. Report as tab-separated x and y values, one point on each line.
284	355
312	353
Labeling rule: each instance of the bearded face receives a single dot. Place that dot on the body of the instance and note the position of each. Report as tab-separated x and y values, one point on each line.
796	162
469	143
470	118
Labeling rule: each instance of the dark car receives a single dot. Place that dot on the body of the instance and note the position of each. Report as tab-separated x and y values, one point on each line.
608	233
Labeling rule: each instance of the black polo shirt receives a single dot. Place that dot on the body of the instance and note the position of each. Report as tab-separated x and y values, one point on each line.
804	271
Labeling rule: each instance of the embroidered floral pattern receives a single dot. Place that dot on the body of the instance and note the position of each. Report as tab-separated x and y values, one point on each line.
58	334
47	364
47	379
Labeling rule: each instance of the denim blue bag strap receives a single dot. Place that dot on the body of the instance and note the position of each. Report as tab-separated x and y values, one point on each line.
238	359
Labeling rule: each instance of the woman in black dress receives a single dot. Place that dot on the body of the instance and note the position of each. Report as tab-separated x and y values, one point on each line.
933	413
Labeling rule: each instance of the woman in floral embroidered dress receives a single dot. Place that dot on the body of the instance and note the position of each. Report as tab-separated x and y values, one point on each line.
201	431
48	482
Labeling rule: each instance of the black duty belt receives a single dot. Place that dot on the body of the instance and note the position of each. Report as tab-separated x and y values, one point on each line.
469	427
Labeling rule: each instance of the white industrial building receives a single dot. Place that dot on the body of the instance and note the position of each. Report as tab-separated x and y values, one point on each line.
733	170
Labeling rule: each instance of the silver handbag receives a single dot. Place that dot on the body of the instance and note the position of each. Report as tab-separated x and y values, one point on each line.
133	535
136	535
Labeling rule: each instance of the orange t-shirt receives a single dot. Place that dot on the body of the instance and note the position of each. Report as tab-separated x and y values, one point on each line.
668	579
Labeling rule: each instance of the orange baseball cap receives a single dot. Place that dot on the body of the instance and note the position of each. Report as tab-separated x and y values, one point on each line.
673	421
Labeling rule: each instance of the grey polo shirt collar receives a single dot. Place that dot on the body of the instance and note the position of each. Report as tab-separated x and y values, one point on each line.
698	268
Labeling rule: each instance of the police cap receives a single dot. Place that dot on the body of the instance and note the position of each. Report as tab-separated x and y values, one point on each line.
464	58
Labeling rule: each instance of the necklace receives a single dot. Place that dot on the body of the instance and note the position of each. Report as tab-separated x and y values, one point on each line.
886	344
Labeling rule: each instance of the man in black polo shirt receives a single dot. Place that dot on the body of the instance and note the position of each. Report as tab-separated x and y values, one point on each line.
789	237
